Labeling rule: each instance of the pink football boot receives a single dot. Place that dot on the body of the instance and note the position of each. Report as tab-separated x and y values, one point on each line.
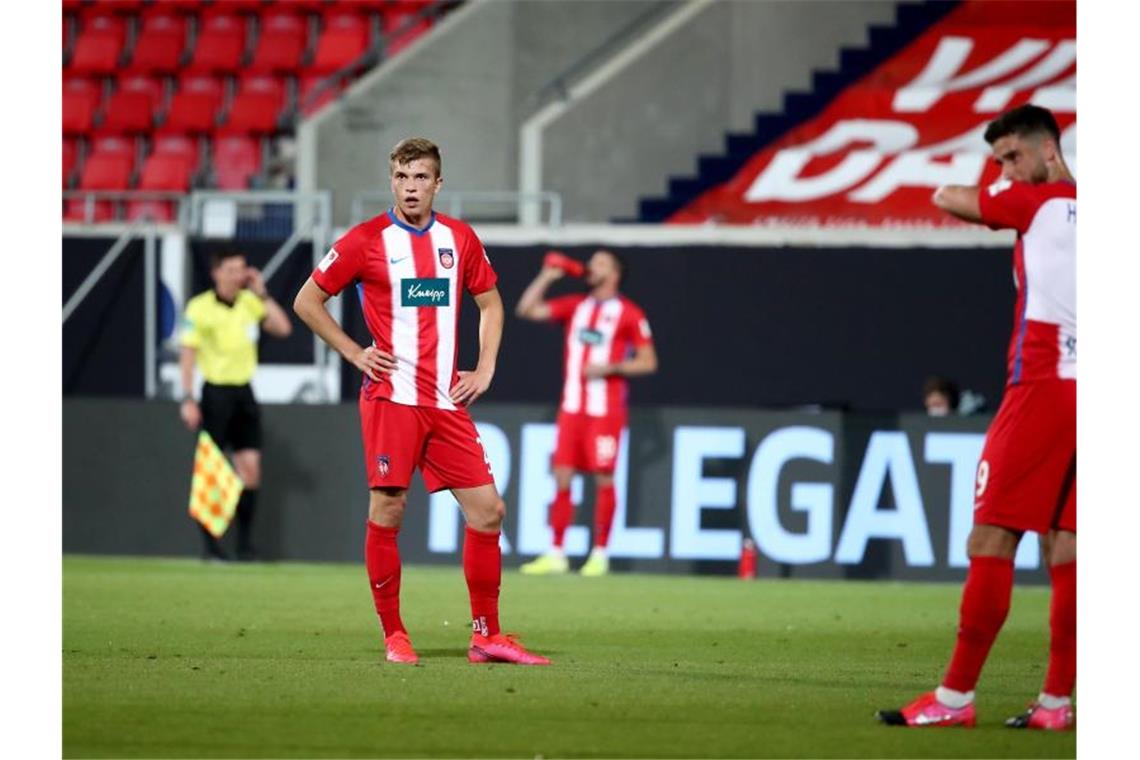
399	648
501	648
928	711
1037	716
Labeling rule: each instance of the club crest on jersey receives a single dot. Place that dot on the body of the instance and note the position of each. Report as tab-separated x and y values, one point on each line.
425	291
383	466
590	337
446	258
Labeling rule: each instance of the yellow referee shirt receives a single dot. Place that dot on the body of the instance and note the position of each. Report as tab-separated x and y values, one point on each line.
224	336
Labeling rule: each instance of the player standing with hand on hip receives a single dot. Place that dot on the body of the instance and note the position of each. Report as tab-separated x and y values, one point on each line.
411	266
607	340
1027	474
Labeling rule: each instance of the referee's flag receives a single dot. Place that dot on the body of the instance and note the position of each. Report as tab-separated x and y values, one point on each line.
215	487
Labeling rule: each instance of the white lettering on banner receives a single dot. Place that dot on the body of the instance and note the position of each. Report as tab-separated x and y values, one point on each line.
888	454
693	493
444	515
781	181
961	451
536	491
816	499
1060	58
647	543
941	73
920	169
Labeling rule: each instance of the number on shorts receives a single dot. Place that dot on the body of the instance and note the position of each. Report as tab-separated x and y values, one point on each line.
983	478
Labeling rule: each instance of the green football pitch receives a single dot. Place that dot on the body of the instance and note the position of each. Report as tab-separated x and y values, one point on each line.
174	658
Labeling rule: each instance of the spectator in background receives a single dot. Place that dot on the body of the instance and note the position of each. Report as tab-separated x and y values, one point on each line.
219	333
940	396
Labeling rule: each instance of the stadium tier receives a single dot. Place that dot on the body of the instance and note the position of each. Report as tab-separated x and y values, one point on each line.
226	81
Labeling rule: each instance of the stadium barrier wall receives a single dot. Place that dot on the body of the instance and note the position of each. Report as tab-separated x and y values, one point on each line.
824	495
849	327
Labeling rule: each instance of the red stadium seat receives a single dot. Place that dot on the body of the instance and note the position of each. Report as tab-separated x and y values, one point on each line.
256	106
166	171
308	85
99	45
194	108
236	158
160	43
81	99
343	40
402	36
70	156
107	168
305	6
131	108
282	43
221	44
179	145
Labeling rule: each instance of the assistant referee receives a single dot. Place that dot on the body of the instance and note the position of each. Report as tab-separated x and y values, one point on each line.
220	332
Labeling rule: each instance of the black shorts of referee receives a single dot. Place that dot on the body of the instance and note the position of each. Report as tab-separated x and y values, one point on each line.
231	415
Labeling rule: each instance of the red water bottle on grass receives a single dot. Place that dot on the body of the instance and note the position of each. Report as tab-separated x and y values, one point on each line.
559	260
747	568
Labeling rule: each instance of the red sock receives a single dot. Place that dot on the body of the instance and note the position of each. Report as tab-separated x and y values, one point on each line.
985	603
1062	673
382	560
561	515
604	515
483	568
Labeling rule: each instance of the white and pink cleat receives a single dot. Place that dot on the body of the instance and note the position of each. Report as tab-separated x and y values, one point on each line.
1039	716
928	711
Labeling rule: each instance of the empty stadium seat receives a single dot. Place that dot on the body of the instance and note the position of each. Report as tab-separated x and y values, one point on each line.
99	45
307	86
256	106
235	159
179	145
221	43
194	108
281	44
70	157
109	167
131	108
343	39
163	172
81	99
160	44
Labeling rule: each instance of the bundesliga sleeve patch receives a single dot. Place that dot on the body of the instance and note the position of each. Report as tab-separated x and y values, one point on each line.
328	260
1000	186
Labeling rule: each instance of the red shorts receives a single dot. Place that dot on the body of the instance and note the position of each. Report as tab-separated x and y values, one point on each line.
588	444
1027	476
442	443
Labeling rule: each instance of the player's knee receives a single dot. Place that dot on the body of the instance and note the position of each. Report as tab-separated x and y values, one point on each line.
1063	548
992	541
490	518
386	506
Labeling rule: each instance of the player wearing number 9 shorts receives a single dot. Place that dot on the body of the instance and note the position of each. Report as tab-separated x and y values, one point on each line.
1026	479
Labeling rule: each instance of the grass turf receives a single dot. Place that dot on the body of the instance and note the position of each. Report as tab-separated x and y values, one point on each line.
174	658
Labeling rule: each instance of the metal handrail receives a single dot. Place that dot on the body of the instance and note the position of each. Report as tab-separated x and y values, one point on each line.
453	200
122	196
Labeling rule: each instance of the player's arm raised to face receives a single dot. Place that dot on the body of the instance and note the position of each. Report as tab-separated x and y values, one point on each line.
531	304
311	306
959	200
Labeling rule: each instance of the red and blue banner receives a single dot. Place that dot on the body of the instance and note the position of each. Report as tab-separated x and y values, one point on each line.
873	156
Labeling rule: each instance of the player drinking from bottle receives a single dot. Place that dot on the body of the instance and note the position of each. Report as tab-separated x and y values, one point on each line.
607	341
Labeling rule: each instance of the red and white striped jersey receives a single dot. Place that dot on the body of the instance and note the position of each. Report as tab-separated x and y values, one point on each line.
597	332
1044	342
410	283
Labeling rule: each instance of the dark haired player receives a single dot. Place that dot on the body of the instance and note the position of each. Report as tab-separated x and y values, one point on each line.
607	341
1027	474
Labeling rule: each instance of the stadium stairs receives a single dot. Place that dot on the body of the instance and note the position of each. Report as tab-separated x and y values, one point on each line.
712	170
